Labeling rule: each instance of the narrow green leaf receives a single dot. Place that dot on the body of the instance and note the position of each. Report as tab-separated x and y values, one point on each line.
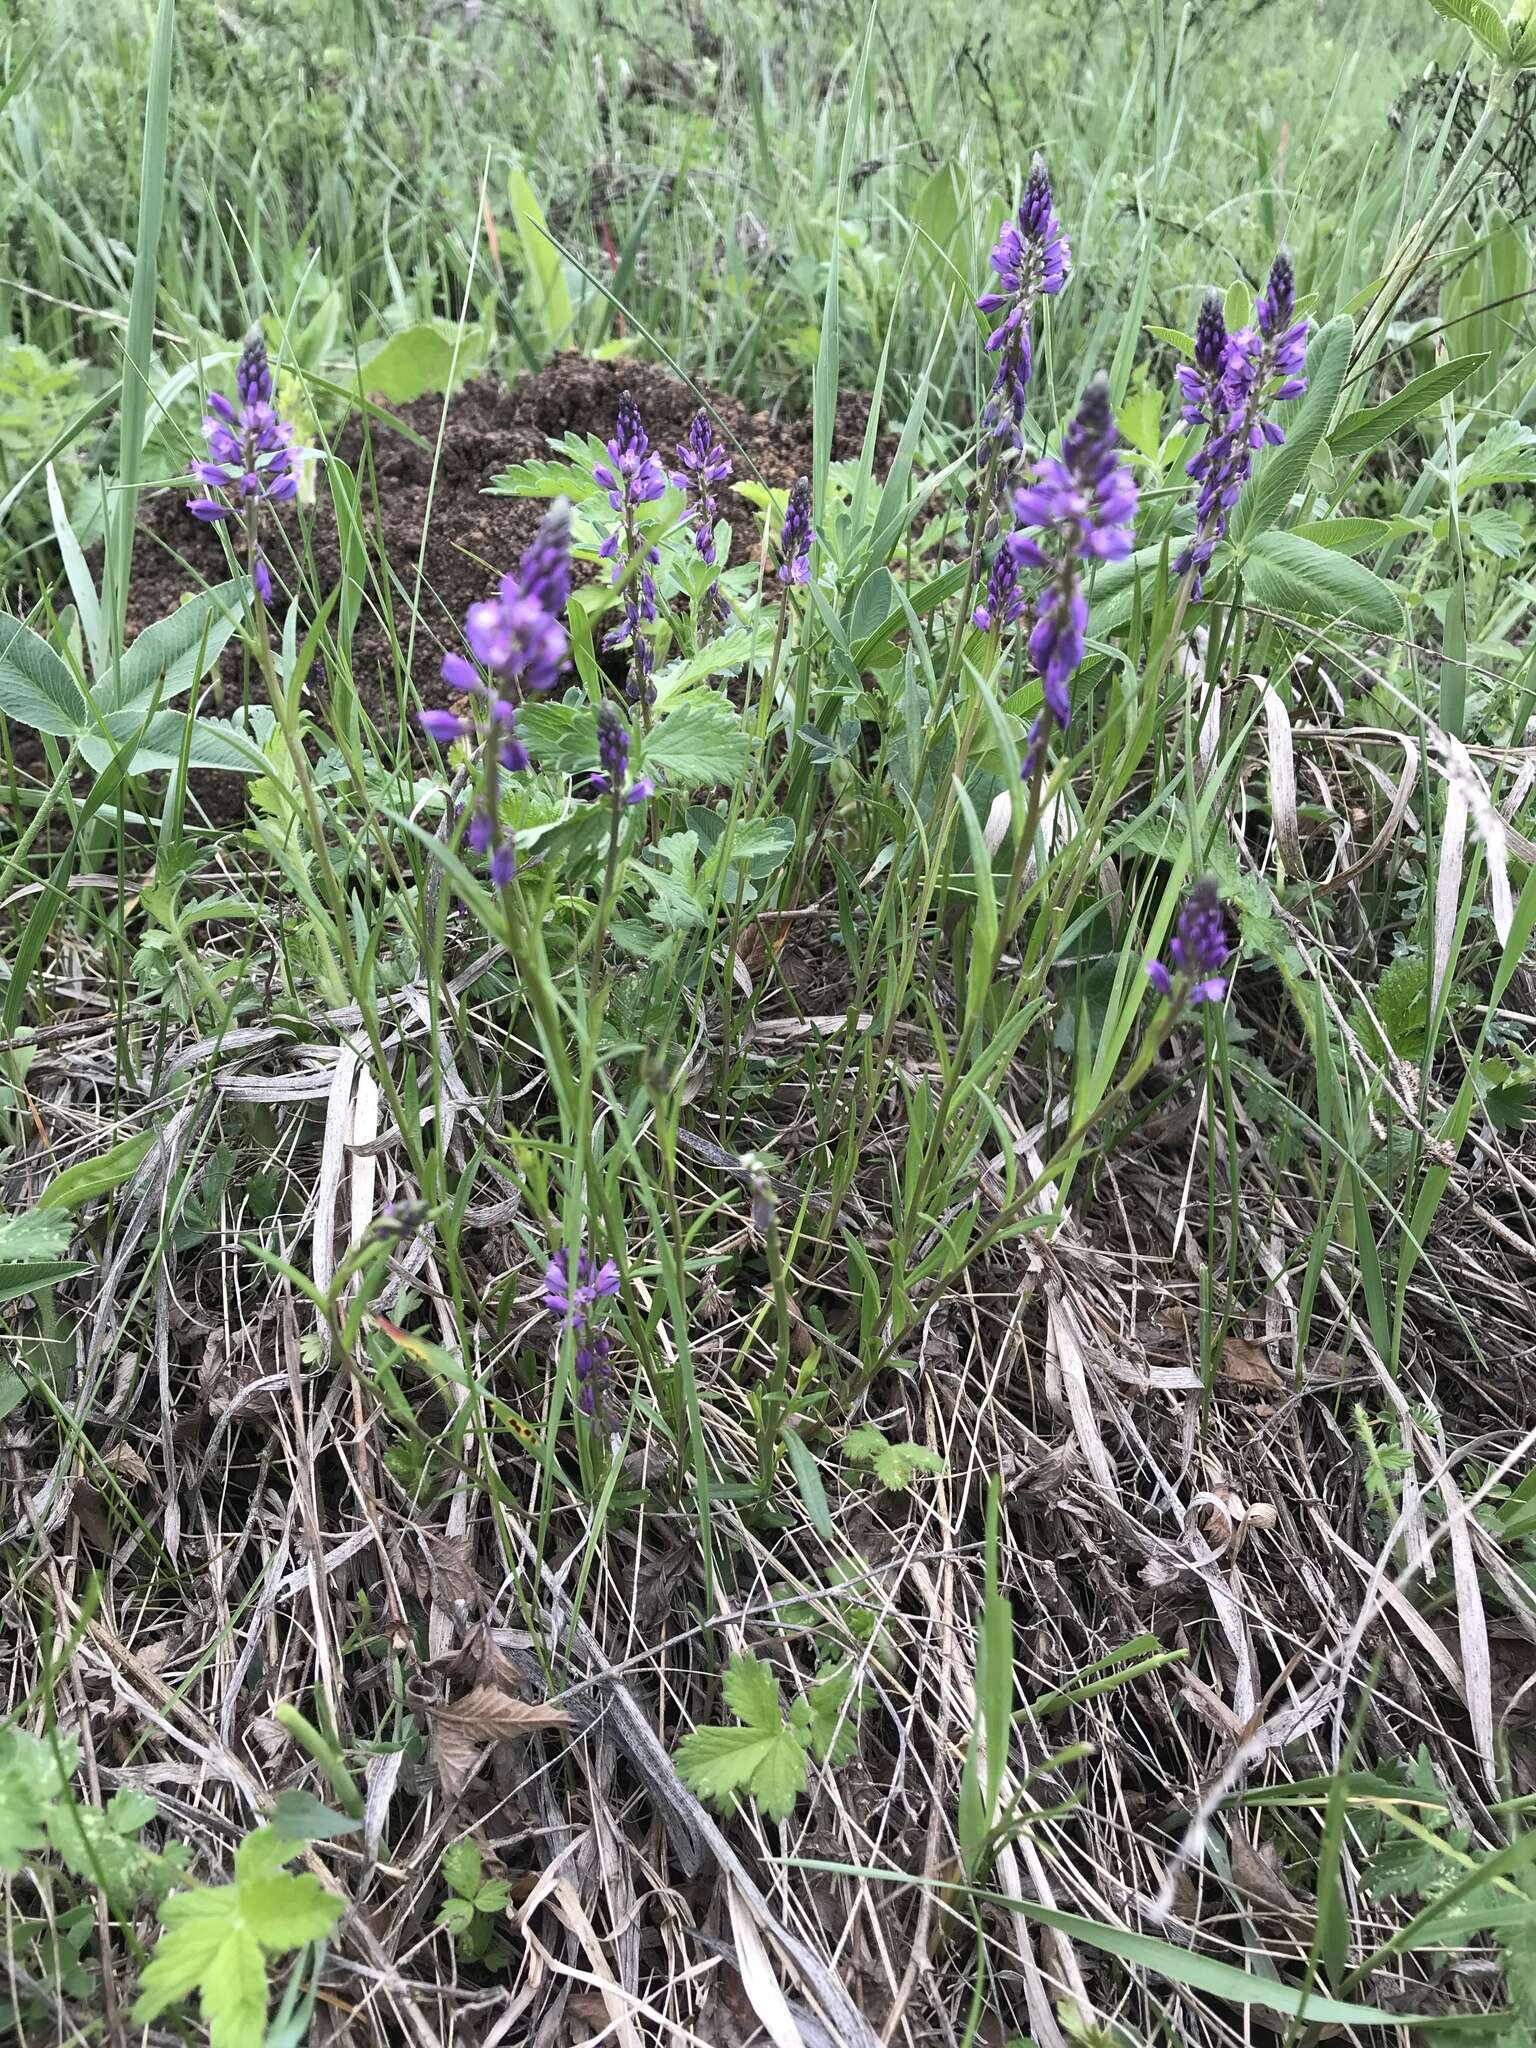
808	1479
77	1185
1361	432
542	264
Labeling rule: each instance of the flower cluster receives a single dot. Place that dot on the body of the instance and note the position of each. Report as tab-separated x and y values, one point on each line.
572	1292
1199	949
611	776
519	637
632	476
1032	258
251	456
1229	389
1081	504
702	463
796	536
1002	603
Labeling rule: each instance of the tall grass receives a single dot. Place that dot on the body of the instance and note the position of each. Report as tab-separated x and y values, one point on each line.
1064	1498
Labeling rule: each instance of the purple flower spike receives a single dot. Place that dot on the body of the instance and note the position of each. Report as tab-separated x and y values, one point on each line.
1032	258
1231	395
253	372
251	456
610	777
796	536
632	476
702	463
571	1300
1082	504
1200	384
1199	950
518	636
594	1374
1003	603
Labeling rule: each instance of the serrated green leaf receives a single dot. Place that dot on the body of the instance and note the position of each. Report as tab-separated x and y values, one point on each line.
455	1914
833	1733
461	1867
23	1810
723	1763
761	844
287	1910
234	1992
1495	532
1294	577
722	656
1505	455
697	744
779	1778
751	1691
898	1464
183	1956
129	1809
864	1443
262	1854
545	479
493	1897
1363	431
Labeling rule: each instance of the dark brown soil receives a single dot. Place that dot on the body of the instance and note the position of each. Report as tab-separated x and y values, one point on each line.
470	538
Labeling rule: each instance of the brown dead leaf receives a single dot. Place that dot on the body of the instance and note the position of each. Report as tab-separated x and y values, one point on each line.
1247	1365
1258	1872
126	1464
463	1733
454	1584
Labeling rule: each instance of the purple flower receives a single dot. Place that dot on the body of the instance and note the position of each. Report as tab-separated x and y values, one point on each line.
573	1302
519	638
1032	258
610	776
594	1374
1199	949
253	372
702	463
1200	382
796	536
1082	505
632	476
251	456
1260	366
1003	602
